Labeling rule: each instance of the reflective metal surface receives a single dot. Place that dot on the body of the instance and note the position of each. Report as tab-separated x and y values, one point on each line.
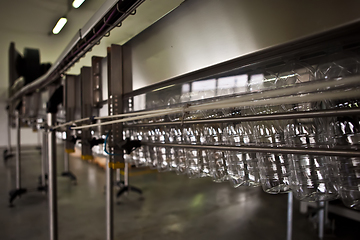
290	208
52	183
284	150
109	203
265	117
44	158
18	150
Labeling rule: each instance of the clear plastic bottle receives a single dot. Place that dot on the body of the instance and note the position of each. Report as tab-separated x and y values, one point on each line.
313	178
348	136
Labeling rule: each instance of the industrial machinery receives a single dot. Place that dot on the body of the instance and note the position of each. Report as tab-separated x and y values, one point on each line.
285	117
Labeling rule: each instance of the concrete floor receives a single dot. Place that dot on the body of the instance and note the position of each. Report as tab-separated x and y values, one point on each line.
174	207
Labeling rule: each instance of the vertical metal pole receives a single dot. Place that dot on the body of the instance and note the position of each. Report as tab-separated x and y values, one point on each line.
9	135
115	106
18	151
52	188
289	216
109	202
126	178
86	111
66	160
326	212
118	175
321	215
38	138
126	174
44	157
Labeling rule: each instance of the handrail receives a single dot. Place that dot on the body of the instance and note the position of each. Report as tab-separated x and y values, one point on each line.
260	117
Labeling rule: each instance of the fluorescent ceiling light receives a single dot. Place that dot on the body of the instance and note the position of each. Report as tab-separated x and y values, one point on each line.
59	25
77	3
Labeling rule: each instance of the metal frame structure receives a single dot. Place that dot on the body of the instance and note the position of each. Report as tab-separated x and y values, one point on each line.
120	90
86	110
96	81
70	92
52	183
44	165
342	35
110	15
115	106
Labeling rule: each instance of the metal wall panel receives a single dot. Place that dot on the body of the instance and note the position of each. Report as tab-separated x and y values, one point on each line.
78	97
104	110
70	106
202	33
104	77
86	111
96	80
115	101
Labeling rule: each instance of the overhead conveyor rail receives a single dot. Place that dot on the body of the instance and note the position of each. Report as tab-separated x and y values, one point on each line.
109	16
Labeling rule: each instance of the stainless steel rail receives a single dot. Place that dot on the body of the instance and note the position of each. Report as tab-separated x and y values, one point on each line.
264	149
52	183
44	158
109	202
18	151
290	210
260	117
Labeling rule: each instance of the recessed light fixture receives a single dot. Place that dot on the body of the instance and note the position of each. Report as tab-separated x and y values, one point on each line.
77	3
59	25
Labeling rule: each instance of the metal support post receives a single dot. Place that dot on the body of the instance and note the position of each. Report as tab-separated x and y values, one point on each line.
126	174
9	137
86	111
326	212
18	151
115	106
289	216
70	93
51	119
39	146
44	158
109	202
126	178
18	191
321	215
51	109
8	152
119	82
118	175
